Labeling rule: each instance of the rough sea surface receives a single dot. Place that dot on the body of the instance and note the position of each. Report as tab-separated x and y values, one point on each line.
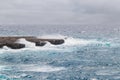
89	53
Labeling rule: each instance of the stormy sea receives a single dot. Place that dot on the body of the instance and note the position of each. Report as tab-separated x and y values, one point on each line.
90	52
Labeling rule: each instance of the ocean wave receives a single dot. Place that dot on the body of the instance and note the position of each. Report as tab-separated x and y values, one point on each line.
109	72
1	67
31	68
45	68
69	43
27	43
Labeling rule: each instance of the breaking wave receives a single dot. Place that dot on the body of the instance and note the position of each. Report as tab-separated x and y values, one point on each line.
31	68
27	68
69	43
27	43
43	68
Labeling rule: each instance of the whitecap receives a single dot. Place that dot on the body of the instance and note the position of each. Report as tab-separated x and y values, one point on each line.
65	47
32	68
27	43
45	68
107	72
1	67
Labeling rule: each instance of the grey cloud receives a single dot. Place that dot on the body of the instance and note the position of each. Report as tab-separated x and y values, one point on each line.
59	11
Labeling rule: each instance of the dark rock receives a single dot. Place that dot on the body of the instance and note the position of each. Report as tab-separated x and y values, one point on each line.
15	45
11	41
1	45
40	43
57	42
52	41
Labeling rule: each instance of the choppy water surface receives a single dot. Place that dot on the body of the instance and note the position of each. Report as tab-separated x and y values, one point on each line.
89	53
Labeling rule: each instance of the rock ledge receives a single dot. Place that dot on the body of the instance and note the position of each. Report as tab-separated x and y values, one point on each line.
11	41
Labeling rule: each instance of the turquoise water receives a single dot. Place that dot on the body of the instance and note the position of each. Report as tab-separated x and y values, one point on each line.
89	53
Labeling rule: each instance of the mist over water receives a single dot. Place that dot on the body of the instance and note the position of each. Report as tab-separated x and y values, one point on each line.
89	53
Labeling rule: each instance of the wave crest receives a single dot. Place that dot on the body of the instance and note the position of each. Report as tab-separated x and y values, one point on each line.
69	43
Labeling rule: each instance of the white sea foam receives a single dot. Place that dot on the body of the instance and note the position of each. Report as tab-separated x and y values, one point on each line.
32	49
45	68
108	72
93	79
29	46
32	68
6	48
1	67
27	43
72	41
69	42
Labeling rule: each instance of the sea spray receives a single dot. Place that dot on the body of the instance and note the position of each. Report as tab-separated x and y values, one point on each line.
27	43
31	68
68	46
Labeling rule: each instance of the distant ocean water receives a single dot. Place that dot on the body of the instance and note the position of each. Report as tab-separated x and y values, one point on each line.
89	53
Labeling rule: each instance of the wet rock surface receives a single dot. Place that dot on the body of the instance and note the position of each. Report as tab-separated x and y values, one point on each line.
41	43
15	45
11	41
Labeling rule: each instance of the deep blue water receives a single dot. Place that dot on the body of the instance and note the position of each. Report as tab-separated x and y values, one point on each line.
89	53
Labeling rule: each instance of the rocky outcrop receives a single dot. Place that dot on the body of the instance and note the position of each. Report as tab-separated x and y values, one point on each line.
56	42
11	41
13	45
41	43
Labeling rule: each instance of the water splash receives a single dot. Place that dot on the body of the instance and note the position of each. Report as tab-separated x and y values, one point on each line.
31	68
67	46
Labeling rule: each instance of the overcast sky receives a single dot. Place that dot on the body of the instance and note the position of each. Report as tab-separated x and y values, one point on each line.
59	11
